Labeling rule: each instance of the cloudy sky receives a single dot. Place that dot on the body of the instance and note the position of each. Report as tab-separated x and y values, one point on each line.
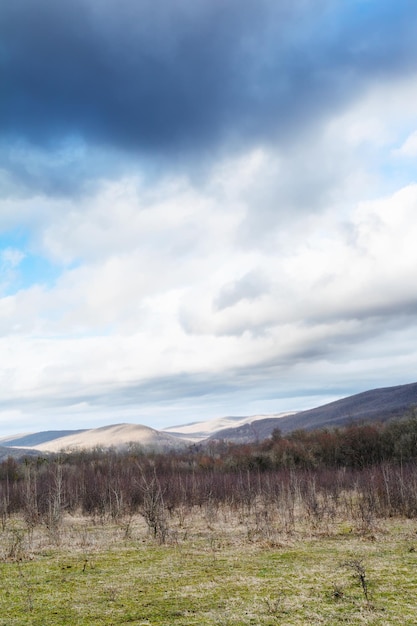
207	207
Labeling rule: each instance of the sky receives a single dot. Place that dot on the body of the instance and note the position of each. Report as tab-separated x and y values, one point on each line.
207	207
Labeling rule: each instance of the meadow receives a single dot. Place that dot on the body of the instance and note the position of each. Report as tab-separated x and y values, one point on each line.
309	529
217	566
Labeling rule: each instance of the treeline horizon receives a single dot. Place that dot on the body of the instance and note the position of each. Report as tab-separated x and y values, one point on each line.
368	469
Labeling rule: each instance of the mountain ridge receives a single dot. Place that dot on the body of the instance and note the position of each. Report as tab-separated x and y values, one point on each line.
376	404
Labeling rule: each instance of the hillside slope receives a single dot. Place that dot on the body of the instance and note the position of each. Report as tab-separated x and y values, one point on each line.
16	453
202	430
117	435
35	439
376	404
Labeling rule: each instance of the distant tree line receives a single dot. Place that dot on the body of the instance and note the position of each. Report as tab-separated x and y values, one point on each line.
316	468
352	446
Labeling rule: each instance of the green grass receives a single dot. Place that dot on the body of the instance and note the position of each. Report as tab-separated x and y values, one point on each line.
210	575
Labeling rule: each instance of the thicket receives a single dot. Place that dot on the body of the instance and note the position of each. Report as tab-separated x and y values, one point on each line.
367	470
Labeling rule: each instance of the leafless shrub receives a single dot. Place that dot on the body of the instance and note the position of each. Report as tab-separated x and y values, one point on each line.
55	506
14	547
30	501
359	572
153	508
312	501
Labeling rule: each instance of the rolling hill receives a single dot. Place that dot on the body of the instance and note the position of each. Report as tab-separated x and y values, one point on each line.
116	435
31	440
377	404
199	431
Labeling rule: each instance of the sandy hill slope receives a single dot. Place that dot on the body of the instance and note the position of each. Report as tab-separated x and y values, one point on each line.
201	430
117	435
377	404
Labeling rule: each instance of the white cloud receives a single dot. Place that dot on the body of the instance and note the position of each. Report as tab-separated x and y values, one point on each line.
11	258
409	147
276	271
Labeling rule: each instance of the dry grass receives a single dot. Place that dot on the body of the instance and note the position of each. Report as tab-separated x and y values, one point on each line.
218	568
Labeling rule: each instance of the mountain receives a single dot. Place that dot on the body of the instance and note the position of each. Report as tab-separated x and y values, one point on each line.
116	435
198	431
16	453
377	404
29	440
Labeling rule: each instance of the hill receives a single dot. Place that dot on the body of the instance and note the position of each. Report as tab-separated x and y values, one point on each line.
198	431
377	404
16	453
116	435
36	439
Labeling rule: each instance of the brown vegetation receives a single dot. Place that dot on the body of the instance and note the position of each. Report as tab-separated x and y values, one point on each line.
360	472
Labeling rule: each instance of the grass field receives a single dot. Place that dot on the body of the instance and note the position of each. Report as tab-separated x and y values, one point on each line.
213	570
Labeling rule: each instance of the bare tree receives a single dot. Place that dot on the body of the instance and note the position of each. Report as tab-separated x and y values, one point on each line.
153	507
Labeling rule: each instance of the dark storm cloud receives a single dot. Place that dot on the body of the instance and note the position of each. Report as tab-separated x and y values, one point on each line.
166	76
